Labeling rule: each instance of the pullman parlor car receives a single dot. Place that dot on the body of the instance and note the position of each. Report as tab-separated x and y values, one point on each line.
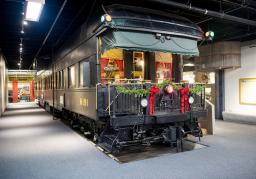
117	78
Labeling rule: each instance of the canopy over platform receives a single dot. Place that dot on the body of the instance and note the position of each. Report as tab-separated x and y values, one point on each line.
132	40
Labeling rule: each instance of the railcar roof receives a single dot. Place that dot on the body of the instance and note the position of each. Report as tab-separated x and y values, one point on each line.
118	10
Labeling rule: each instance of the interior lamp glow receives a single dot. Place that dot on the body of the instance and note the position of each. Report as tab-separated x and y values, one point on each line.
189	64
34	9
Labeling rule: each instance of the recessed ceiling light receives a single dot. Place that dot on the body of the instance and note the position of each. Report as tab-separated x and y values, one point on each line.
34	9
22	31
25	22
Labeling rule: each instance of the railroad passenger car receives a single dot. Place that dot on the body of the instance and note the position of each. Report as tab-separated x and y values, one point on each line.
115	78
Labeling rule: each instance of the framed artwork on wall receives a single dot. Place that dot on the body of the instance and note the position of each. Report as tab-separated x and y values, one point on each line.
247	91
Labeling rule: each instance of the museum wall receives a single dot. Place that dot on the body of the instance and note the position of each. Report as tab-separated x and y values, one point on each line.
232	76
3	86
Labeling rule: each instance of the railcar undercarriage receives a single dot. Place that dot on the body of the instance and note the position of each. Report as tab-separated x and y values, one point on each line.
116	139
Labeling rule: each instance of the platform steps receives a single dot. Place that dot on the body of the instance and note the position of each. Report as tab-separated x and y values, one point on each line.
108	143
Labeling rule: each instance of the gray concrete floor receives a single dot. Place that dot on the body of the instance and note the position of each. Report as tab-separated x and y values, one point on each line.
32	145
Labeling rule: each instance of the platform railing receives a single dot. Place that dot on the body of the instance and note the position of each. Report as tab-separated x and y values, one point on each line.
117	103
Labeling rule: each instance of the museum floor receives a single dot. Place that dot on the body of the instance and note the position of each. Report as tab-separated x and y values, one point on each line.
32	145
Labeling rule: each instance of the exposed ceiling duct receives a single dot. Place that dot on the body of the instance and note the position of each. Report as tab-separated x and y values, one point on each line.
207	12
220	55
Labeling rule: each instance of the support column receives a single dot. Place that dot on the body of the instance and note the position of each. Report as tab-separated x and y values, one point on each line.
14	91
31	91
220	92
177	64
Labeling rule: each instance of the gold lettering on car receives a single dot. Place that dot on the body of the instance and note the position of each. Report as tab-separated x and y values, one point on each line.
84	102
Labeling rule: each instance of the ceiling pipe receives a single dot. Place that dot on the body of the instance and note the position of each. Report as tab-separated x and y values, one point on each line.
210	18
207	12
241	4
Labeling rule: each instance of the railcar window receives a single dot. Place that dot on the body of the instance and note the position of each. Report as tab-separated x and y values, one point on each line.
47	82
59	80
71	77
56	81
62	79
44	84
85	74
50	82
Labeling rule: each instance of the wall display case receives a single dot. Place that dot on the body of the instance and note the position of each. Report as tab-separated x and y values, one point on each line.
247	89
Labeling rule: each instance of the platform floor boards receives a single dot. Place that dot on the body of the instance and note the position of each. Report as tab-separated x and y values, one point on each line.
33	145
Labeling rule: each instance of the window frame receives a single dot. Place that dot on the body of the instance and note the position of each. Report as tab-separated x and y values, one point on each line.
69	76
82	85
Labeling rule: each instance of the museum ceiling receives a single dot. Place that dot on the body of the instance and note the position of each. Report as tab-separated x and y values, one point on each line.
209	15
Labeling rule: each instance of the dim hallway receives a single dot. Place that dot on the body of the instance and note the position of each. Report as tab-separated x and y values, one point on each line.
33	145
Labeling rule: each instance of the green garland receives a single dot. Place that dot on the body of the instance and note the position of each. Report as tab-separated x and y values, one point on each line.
196	90
134	91
145	92
163	84
167	82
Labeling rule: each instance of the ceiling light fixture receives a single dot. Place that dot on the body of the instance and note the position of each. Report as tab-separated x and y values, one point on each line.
22	31
34	9
25	23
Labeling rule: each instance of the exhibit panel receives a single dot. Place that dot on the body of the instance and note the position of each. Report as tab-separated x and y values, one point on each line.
240	89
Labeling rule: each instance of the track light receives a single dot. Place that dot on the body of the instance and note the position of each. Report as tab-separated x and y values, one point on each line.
34	9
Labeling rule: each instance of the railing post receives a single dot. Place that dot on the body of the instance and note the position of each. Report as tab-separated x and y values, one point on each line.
114	102
109	101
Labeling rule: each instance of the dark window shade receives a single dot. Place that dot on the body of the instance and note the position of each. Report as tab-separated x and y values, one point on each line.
85	77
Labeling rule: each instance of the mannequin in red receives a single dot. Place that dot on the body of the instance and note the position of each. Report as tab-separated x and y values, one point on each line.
184	91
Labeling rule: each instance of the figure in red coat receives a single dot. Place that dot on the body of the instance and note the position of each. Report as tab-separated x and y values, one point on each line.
184	91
